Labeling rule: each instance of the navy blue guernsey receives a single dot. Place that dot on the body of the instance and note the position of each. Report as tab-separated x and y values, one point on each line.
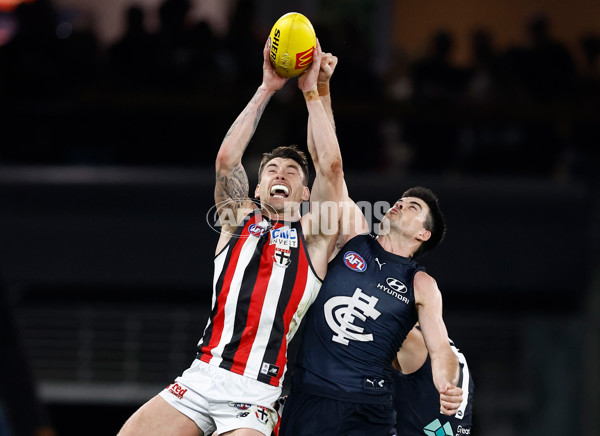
352	332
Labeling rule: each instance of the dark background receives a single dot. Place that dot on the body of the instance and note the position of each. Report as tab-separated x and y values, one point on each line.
107	149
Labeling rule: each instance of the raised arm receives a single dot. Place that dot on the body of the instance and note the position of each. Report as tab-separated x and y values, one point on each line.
352	221
324	149
321	223
231	188
326	69
444	364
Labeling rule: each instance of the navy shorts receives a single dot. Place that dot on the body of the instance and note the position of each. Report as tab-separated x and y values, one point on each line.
311	415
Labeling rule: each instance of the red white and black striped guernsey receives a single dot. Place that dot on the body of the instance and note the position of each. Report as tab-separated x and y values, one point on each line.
263	285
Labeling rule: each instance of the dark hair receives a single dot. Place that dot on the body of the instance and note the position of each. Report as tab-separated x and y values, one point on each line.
286	152
435	222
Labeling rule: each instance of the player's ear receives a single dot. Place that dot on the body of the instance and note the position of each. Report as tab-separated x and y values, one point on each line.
257	191
424	235
306	194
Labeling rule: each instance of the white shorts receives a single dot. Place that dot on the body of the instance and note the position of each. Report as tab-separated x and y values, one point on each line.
220	400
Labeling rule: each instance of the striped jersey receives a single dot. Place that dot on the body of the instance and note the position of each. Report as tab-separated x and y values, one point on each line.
263	285
362	314
417	402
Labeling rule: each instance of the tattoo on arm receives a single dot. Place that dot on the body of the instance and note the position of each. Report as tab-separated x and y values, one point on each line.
247	111
231	189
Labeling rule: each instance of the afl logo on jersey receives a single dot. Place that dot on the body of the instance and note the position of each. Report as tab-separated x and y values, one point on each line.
355	262
258	229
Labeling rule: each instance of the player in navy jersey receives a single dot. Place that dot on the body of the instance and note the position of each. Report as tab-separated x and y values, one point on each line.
372	296
268	268
416	399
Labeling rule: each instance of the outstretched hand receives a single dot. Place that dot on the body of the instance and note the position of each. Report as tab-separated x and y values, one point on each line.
450	399
271	80
308	80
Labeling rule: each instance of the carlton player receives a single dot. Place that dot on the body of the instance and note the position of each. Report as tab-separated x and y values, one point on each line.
416	399
267	272
373	295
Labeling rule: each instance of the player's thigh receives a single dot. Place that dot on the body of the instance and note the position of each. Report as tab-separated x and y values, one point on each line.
370	419
159	418
311	415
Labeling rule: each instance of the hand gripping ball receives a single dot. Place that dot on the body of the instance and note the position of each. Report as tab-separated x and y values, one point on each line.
292	44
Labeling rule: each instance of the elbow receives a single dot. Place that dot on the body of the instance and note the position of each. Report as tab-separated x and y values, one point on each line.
223	160
333	172
335	168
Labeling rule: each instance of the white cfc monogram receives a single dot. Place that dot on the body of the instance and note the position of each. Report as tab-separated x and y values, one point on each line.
341	312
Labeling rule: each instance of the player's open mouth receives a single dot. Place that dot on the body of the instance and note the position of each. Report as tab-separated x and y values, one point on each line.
279	191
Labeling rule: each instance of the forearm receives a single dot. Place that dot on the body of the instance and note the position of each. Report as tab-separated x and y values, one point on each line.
445	368
310	144
323	143
241	131
324	93
428	300
444	363
323	90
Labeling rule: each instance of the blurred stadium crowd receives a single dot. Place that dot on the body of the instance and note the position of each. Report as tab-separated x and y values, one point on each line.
167	97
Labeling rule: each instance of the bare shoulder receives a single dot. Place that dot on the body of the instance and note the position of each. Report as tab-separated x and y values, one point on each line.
425	286
422	279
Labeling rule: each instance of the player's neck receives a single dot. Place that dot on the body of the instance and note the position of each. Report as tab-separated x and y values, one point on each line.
397	245
287	215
